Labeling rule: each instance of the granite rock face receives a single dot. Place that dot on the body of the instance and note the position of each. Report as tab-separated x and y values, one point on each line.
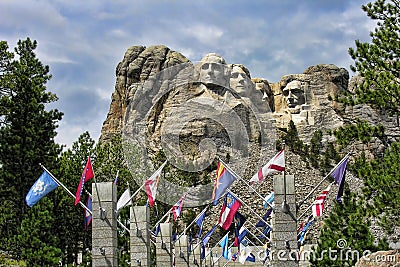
139	63
170	104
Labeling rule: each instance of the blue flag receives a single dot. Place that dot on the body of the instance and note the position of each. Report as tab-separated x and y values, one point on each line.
224	244
208	235
199	222
44	185
88	215
261	223
223	180
268	200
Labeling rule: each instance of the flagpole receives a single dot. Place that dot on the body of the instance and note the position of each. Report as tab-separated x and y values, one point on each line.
240	178
215	245
256	229
235	196
331	171
63	186
168	213
102	211
197	217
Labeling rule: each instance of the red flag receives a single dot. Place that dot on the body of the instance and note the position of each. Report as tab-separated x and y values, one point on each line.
87	174
228	211
319	203
275	165
177	208
151	185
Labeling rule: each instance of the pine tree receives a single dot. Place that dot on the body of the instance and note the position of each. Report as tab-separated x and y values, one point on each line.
26	135
69	222
378	62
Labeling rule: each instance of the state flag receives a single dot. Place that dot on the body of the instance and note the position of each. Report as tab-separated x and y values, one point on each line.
319	203
223	180
88	215
43	185
274	166
151	185
339	176
87	174
228	211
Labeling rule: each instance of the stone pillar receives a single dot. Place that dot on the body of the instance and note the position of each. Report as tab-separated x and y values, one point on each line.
284	224
181	252
104	225
164	256
140	238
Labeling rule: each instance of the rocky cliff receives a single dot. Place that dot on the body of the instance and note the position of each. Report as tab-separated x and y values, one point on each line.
197	112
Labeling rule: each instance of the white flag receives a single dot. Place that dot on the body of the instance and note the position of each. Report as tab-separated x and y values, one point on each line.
124	200
274	166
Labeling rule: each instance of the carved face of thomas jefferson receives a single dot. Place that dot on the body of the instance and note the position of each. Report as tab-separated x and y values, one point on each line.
294	94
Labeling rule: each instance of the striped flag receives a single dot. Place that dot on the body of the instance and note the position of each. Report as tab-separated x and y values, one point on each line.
319	203
177	208
228	211
274	166
151	185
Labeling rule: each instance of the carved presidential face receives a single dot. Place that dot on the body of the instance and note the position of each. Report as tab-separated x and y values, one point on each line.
213	70
239	80
294	94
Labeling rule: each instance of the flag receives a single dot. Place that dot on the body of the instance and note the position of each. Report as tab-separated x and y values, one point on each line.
87	174
265	232
251	258
43	185
304	232
223	180
124	200
177	208
88	215
152	183
199	222
224	244
261	223
339	176
268	200
208	235
229	208
244	254
116	179
234	256
240	231
275	165
319	203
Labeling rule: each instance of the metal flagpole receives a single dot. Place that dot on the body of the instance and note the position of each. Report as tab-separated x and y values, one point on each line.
240	178
315	188
63	186
256	229
235	196
72	195
197	217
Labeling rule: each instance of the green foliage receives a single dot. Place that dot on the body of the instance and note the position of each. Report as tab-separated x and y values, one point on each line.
37	236
27	131
316	148
360	131
382	186
69	224
378	62
347	222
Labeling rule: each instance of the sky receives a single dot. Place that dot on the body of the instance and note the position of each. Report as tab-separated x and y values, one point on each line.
83	41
